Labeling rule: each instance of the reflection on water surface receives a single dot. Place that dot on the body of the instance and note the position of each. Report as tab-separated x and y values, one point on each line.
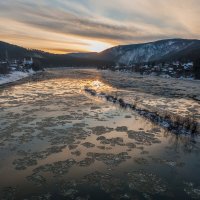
58	143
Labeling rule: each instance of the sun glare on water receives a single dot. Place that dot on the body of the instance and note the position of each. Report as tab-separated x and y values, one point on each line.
97	84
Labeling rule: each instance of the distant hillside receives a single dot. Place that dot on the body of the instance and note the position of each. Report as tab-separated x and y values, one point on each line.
163	50
16	52
53	60
166	50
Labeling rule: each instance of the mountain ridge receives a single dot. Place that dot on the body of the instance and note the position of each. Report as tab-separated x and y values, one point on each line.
154	51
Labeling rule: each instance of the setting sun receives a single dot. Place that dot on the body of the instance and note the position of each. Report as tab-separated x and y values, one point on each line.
97	46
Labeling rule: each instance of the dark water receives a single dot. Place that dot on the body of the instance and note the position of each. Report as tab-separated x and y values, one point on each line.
56	142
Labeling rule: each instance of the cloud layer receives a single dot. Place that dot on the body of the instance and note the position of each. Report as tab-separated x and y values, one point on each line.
91	25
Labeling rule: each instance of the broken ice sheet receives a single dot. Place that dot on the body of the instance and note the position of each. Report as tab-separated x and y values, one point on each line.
63	131
100	130
192	190
146	182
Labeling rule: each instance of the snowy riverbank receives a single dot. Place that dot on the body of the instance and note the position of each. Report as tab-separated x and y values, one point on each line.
15	76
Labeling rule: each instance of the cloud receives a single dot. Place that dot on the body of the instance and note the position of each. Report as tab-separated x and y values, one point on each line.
75	24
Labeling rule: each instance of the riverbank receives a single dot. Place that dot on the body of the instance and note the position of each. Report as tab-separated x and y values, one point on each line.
15	76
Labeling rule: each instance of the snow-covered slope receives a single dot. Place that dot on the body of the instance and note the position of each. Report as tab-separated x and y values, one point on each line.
14	76
174	49
153	51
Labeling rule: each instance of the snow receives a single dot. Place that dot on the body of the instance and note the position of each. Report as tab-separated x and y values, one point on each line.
188	65
171	42
146	52
14	76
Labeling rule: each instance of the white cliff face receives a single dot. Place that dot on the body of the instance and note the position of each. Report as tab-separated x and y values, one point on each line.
130	54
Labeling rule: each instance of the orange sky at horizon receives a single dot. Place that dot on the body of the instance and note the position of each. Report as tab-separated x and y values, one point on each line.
84	25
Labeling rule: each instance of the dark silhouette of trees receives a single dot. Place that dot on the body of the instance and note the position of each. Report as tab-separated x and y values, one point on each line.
37	66
196	69
4	69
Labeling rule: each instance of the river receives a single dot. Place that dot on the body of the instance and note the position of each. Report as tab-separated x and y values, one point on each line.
57	142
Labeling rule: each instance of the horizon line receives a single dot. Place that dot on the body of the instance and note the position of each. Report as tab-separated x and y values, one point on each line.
45	50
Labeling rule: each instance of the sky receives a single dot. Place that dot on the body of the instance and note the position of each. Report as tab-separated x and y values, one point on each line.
65	26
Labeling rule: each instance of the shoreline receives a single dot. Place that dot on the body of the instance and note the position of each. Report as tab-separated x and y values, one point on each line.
22	80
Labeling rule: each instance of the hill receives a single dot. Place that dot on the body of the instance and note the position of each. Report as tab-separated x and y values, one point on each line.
159	51
163	50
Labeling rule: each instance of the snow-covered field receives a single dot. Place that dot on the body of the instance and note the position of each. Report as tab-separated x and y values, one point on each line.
14	76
